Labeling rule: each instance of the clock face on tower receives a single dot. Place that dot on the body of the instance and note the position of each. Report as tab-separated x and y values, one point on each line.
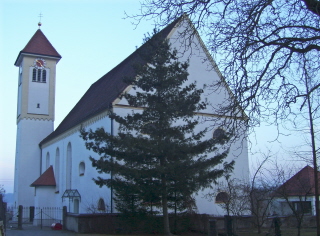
39	63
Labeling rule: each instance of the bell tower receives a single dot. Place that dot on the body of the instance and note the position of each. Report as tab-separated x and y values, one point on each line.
35	111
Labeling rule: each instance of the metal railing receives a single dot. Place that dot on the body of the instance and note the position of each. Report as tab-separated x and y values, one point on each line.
43	216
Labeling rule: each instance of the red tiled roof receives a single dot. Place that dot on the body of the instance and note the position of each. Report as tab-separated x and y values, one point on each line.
301	184
39	45
103	92
46	179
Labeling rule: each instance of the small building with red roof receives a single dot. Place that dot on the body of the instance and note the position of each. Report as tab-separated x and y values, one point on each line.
297	193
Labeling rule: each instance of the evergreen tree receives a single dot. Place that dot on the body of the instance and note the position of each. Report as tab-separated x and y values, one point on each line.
157	156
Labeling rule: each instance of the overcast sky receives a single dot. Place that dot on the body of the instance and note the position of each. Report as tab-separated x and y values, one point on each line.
91	36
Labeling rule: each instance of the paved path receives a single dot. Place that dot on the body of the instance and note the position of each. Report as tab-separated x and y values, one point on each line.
29	230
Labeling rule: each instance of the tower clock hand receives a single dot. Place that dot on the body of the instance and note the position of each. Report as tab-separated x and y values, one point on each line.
40	63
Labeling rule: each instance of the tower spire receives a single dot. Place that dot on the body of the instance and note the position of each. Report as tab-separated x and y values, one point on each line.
40	16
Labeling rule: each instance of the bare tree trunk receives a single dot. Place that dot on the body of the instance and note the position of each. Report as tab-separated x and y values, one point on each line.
258	222
315	165
299	227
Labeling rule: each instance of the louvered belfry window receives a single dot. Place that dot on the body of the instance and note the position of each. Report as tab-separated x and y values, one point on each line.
44	76
39	75
34	75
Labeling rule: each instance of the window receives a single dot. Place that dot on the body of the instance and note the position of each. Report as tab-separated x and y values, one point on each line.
148	128
69	167
101	205
20	79
47	160
222	197
82	168
34	75
76	206
39	75
219	133
20	74
303	206
44	76
57	169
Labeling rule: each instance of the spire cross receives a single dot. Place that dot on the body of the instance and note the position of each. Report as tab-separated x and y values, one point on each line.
40	16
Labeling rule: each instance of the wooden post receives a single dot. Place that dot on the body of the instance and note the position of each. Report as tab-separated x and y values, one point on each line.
3	210
277	224
64	217
20	214
228	225
41	218
4	204
1	228
213	227
31	214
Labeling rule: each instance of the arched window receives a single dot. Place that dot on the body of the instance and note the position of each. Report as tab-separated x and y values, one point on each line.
34	74
44	76
47	160
69	167
82	168
222	197
148	128
219	134
39	75
101	205
76	206
57	169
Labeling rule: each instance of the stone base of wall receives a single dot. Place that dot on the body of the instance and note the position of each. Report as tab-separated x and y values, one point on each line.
1	228
117	224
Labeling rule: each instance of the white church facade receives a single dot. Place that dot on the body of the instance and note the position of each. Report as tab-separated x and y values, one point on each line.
52	167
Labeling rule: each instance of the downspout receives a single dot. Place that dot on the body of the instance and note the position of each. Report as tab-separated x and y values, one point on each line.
40	160
111	189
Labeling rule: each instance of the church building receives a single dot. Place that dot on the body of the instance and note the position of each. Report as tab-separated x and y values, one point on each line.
52	167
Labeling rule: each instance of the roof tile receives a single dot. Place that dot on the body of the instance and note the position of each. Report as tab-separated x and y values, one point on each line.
39	45
103	92
301	184
46	179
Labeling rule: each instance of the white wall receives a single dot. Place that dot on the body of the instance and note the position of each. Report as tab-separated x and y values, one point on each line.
281	207
38	99
89	191
201	70
27	167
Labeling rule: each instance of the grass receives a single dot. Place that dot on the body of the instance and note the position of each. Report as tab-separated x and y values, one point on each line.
284	232
251	232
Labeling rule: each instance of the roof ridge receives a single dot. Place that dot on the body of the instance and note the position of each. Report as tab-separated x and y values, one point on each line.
39	45
105	90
